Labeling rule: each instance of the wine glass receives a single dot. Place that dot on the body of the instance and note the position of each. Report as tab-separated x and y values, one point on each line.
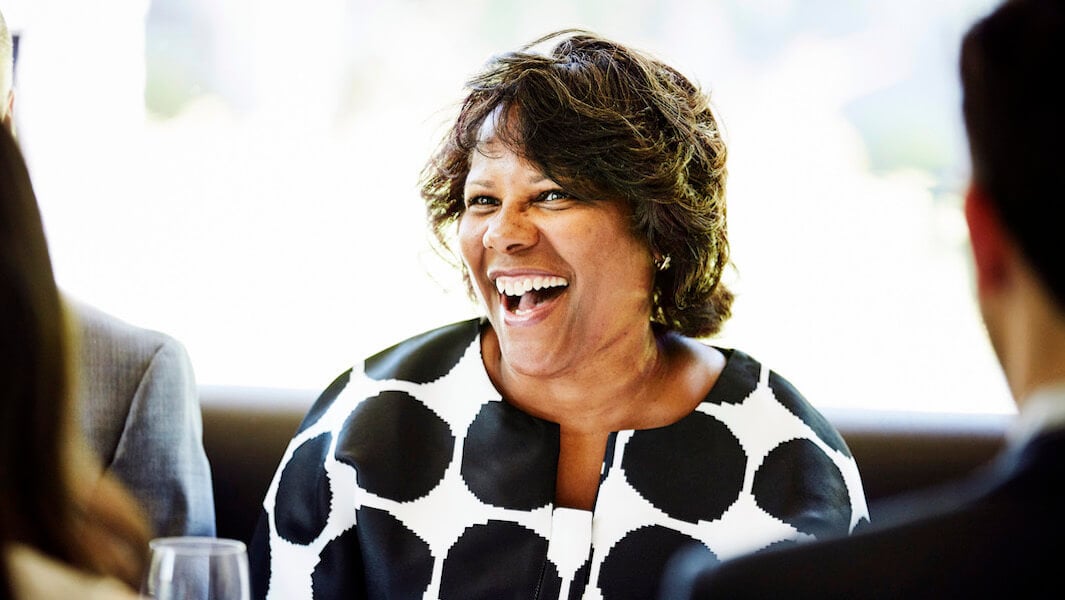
197	568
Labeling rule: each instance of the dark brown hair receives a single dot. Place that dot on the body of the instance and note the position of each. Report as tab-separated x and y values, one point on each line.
41	503
1010	64
607	122
33	374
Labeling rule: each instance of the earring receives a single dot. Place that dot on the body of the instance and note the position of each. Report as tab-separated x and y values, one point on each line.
662	263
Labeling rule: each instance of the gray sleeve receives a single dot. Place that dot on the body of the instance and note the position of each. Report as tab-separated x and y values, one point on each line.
160	454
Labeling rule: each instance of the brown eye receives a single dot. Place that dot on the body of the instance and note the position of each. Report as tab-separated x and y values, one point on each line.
555	196
480	201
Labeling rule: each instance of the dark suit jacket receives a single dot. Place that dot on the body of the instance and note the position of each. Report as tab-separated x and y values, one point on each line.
998	534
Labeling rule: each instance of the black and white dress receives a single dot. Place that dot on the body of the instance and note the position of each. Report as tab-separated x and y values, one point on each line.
410	477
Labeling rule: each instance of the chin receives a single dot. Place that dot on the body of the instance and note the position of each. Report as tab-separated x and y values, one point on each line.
528	358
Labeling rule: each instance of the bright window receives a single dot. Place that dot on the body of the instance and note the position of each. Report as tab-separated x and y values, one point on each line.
242	175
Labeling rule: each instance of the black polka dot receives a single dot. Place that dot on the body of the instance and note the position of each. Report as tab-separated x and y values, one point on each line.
704	465
580	580
325	400
861	525
259	558
777	545
398	563
790	398
426	357
737	380
510	459
339	572
635	565
398	446
499	559
800	485
608	457
303	494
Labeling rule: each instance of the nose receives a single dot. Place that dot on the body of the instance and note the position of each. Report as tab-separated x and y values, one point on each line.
510	230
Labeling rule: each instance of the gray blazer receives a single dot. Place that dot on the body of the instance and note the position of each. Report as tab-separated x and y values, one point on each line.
141	414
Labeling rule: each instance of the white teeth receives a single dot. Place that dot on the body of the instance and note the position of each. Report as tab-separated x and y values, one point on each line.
516	286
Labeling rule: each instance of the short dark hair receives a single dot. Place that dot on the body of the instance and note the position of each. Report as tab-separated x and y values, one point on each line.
1011	62
606	121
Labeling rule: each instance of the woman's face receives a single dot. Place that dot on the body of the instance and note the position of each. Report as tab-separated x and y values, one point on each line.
561	278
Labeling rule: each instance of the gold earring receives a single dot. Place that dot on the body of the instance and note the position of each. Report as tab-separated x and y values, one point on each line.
662	263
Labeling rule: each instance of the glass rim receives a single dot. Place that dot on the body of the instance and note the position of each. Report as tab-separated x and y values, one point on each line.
201	545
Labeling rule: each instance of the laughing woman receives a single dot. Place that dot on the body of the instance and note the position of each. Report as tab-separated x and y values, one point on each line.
568	442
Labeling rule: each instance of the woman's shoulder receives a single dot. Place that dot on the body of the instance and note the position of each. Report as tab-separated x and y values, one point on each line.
422	358
745	377
41	577
425	357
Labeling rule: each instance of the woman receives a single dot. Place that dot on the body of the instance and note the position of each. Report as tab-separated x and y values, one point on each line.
66	531
569	442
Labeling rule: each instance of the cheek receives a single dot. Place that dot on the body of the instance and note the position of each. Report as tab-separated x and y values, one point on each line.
470	238
623	261
471	252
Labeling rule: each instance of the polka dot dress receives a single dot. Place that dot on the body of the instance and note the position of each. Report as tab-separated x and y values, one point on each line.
410	477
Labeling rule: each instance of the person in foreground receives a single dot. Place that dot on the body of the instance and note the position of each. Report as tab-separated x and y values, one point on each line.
139	403
997	534
67	529
566	444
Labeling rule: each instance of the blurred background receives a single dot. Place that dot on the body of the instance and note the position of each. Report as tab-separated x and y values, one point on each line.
242	175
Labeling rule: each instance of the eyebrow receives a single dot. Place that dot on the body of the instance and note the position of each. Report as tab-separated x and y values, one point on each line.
479	183
488	184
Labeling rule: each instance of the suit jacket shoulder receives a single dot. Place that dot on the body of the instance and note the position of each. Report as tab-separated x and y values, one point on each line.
141	414
113	358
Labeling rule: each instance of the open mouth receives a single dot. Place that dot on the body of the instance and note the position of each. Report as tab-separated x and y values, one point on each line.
522	294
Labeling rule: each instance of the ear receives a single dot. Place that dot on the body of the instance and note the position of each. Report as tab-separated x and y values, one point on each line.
990	243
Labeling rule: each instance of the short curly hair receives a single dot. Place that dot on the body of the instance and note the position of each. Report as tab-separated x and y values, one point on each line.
606	121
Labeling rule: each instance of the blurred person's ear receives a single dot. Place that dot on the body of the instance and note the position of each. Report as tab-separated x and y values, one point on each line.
990	242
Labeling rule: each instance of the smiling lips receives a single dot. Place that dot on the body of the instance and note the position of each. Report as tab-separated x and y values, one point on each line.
522	294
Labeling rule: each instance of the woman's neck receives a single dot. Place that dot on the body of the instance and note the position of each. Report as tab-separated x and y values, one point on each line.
650	381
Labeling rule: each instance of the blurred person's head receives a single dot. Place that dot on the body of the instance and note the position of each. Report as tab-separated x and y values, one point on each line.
608	124
35	416
1013	114
53	496
1010	63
